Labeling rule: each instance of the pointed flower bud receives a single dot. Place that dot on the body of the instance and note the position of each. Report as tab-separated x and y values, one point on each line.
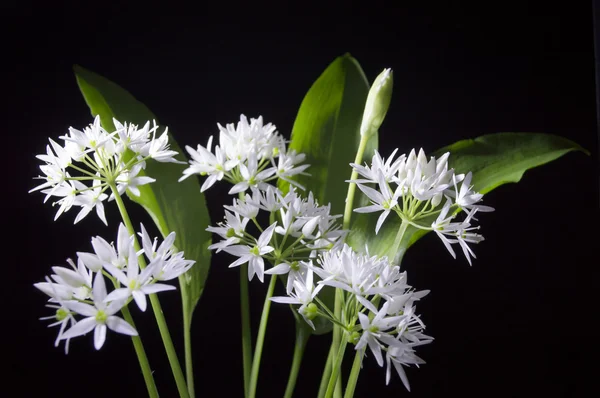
378	102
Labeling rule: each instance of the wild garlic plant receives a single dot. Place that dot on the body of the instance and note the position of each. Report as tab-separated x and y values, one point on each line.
303	242
91	167
273	226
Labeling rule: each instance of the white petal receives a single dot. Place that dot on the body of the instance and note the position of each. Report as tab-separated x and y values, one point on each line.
99	336
157	287
118	325
80	328
285	300
140	299
99	289
380	220
265	237
118	294
280	269
91	261
81	308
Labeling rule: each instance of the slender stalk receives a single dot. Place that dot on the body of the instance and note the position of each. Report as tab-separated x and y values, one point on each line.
354	373
346	225
337	336
302	335
246	332
326	372
260	339
187	338
245	314
352	186
335	371
158	313
142	358
398	254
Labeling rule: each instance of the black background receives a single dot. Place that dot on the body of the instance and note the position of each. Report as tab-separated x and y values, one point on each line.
520	322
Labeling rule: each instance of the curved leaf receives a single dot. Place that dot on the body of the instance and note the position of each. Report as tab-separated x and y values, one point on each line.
500	158
494	160
327	130
173	206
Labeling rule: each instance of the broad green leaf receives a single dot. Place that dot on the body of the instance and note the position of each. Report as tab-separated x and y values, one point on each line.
500	158
173	206
494	160
327	130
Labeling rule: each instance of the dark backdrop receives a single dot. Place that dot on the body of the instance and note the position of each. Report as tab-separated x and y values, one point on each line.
519	322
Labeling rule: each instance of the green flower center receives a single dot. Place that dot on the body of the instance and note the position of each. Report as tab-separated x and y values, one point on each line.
255	250
61	314
101	316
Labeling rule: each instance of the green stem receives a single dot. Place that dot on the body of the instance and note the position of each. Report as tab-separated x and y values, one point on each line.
158	313
326	372
302	335
352	186
246	332
142	358
354	373
245	313
187	338
335	342
260	339
337	335
398	254
331	386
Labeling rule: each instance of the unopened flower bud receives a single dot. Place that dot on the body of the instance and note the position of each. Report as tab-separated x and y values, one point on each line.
378	102
353	337
311	311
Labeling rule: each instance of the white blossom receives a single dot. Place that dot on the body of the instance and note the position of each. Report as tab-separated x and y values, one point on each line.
137	283
304	293
253	255
99	317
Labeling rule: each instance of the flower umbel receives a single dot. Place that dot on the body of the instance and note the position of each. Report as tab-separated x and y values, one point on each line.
91	161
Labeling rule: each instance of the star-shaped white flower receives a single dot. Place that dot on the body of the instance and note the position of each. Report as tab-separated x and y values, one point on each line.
92	198
100	316
466	198
158	148
383	200
137	284
251	175
253	255
105	253
304	294
63	316
129	180
374	331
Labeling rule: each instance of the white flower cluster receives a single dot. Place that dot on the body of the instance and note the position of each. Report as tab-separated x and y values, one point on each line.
413	187
90	161
379	306
300	228
248	155
81	290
